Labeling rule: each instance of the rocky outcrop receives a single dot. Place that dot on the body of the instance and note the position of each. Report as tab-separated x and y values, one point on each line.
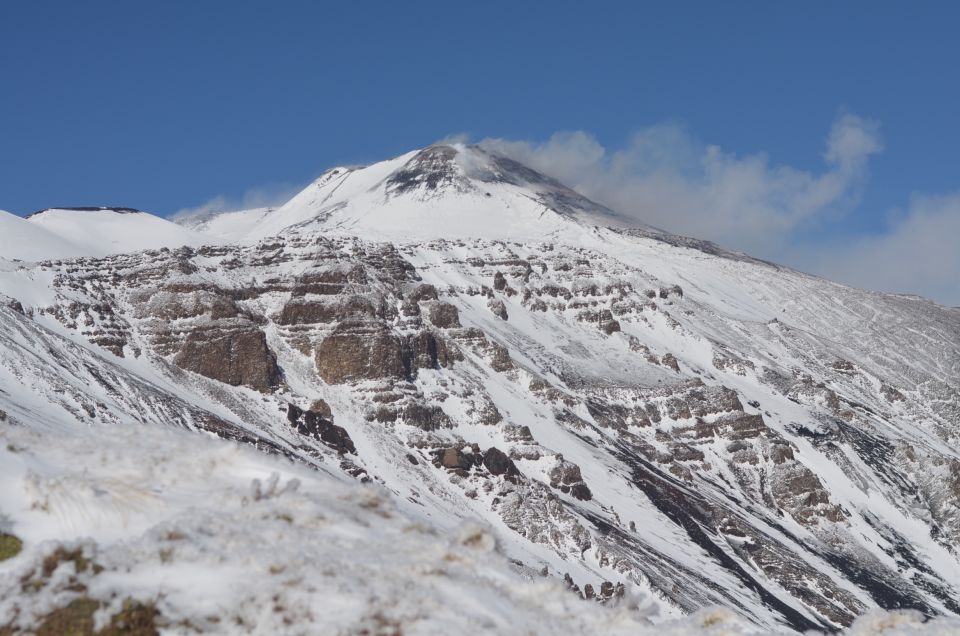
443	315
312	424
498	463
565	477
239	357
498	308
359	350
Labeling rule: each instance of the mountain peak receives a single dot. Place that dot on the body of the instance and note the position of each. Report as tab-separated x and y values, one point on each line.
433	168
442	191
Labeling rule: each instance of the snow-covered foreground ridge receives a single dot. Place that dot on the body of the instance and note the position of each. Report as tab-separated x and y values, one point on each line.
213	538
580	423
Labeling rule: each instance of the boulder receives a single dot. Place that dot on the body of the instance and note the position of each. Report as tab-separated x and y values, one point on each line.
497	462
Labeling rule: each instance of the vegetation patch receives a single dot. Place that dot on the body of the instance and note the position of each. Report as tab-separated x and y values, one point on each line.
76	619
10	546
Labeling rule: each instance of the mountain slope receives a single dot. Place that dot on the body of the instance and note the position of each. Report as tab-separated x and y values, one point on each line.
27	241
67	233
644	414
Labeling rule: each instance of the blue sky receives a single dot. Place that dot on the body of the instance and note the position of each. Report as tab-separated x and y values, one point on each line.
166	106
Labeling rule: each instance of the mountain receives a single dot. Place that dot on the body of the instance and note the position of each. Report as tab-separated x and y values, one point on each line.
452	340
440	192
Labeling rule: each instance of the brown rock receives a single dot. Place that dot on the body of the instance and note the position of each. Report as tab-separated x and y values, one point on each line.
299	312
669	360
443	315
321	408
425	350
238	357
360	351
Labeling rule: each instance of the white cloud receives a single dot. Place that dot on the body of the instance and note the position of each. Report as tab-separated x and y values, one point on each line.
918	253
667	178
262	197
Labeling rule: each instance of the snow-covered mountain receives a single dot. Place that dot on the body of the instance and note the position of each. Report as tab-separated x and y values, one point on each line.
452	340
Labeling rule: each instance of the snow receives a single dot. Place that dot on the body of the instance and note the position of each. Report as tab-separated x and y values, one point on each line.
227	226
22	240
102	232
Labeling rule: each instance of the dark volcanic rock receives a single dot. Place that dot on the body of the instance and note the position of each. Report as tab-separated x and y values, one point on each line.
321	408
312	424
581	491
239	357
497	462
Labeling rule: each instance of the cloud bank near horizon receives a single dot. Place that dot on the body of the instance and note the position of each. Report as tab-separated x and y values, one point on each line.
262	197
666	177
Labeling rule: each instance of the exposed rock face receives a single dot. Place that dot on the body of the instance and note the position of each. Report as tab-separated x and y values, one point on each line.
233	357
443	315
358	351
608	324
299	311
498	308
565	476
497	462
314	425
426	350
321	408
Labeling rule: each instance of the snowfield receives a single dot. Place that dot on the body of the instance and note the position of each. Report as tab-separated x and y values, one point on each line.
445	392
68	233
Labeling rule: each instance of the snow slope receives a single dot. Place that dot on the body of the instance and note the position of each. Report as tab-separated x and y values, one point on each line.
102	231
22	240
226	226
